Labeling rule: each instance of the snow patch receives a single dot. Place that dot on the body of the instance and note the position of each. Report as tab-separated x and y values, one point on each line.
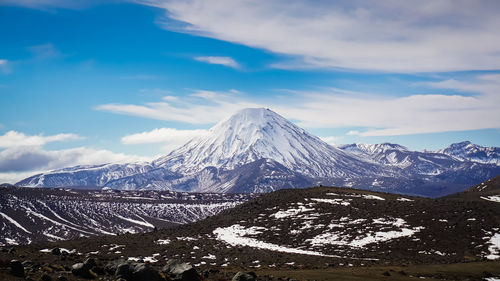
492	198
332	201
494	247
291	212
235	236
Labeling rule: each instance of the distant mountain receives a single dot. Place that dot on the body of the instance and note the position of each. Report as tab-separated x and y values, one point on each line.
257	150
412	163
86	176
467	151
29	215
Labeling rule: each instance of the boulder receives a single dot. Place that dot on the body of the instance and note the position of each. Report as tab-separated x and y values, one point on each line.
111	266
89	263
123	270
81	270
181	271
242	276
45	277
16	268
144	272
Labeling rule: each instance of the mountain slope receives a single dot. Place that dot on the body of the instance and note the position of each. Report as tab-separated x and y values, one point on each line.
320	227
36	214
90	176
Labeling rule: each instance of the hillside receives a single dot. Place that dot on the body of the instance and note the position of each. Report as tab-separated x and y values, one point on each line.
30	215
317	228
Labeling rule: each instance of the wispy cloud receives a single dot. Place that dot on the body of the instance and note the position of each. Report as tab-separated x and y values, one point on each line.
44	51
140	77
379	115
193	109
428	35
16	139
170	137
226	61
330	140
4	66
53	4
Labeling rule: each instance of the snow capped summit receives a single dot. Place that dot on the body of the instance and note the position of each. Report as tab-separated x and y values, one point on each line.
467	151
361	148
256	133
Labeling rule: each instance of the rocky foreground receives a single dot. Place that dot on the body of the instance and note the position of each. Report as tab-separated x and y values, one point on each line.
307	234
94	268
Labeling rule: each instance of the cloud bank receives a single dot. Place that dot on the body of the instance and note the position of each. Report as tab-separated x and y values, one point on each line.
379	115
171	138
23	155
15	139
201	107
395	36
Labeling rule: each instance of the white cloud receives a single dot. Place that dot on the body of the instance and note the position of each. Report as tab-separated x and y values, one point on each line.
161	135
226	61
170	137
427	35
193	110
34	158
4	66
22	155
15	139
330	140
13	177
381	115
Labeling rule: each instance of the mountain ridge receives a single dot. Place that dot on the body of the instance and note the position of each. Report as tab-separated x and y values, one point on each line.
283	155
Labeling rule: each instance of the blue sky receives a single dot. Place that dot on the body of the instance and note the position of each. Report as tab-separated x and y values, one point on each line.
86	82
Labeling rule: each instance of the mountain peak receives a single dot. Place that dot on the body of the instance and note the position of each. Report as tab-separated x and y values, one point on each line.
256	133
360	148
248	123
468	151
252	114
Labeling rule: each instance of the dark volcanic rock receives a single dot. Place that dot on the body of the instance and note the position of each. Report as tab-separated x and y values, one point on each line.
144	272
179	270
111	266
45	277
241	276
89	263
16	268
81	270
123	270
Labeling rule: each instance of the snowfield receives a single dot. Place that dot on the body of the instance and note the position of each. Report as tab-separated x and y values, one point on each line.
236	235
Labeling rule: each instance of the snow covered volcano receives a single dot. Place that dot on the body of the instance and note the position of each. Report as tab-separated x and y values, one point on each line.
257	133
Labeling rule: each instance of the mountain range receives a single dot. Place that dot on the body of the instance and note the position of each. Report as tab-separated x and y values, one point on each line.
256	151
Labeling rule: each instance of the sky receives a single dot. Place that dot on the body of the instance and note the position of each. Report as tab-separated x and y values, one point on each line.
90	82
